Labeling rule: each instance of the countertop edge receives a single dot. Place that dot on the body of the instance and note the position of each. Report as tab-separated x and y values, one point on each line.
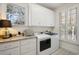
16	39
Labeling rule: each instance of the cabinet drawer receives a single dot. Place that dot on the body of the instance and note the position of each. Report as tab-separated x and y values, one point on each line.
8	45
28	41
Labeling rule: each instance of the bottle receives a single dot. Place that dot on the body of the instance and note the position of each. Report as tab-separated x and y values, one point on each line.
22	34
19	33
10	35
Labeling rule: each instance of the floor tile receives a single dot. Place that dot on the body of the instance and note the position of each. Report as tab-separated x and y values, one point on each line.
62	51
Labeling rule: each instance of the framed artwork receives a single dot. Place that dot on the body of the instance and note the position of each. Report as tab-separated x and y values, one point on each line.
16	14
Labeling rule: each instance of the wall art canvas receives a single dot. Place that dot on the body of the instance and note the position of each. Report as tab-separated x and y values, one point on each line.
16	14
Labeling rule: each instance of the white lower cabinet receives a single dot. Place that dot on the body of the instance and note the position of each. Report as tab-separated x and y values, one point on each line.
54	42
40	16
21	47
8	45
9	48
15	51
28	47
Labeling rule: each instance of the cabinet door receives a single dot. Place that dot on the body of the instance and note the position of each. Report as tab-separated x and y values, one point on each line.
28	45
50	18
54	43
15	51
41	16
34	15
8	45
9	48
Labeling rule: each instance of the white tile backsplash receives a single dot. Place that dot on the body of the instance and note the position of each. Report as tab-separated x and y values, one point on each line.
34	28
41	29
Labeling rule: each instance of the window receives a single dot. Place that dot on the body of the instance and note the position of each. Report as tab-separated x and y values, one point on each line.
16	14
67	22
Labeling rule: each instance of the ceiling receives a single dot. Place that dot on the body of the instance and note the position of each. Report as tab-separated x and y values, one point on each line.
51	5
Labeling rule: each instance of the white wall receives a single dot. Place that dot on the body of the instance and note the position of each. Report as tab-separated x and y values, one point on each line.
2	11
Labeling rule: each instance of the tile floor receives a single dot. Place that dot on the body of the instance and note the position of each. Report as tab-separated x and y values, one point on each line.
62	51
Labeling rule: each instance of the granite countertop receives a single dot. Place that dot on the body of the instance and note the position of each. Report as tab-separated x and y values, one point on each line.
16	38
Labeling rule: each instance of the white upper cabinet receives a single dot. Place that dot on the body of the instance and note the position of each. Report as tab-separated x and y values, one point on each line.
34	14
40	16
